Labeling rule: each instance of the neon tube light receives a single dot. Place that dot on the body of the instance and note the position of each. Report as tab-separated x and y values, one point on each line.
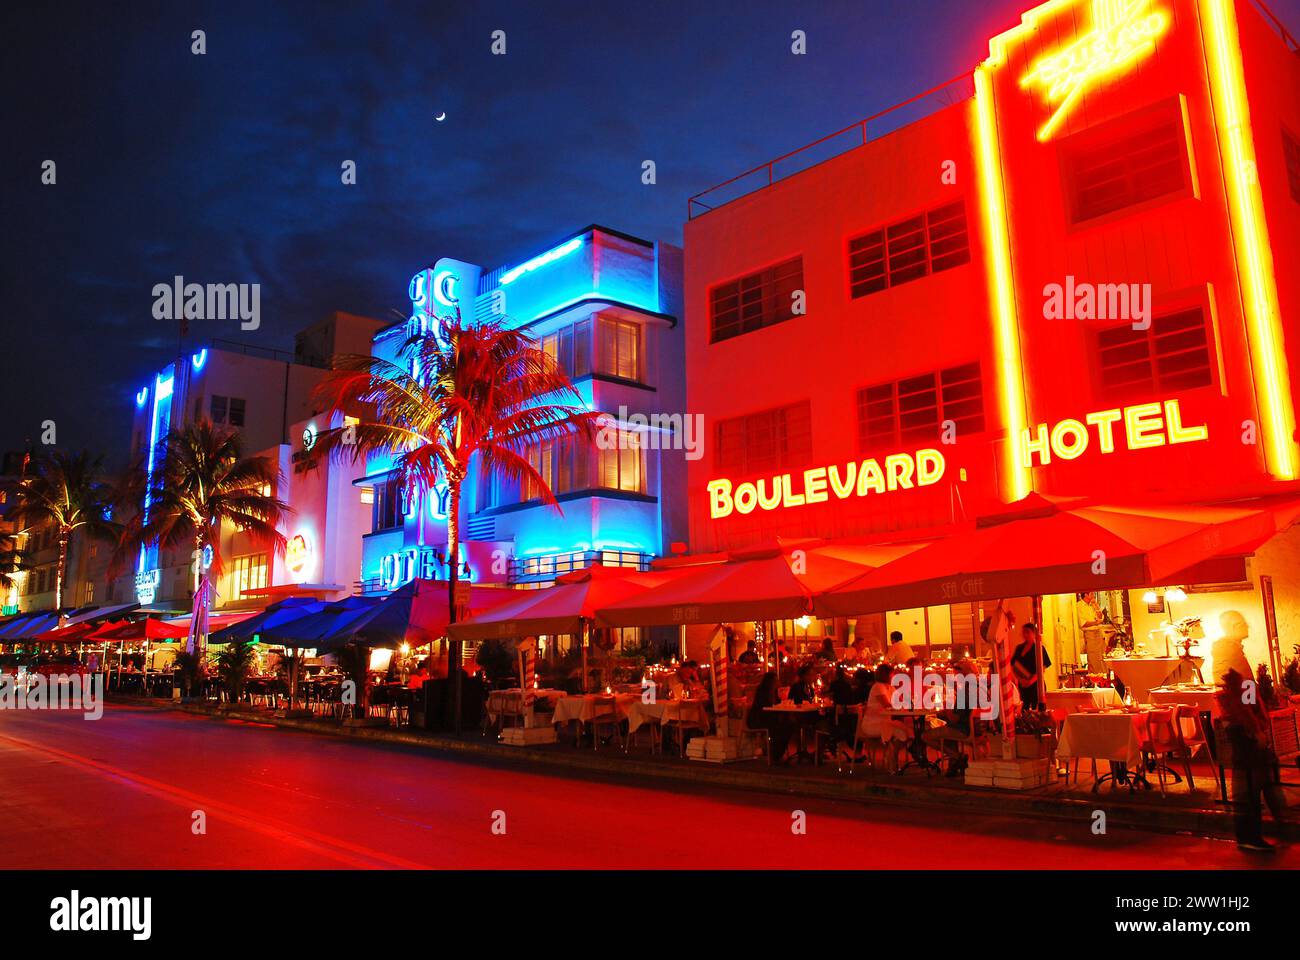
1002	302
563	250
1250	236
199	359
1122	31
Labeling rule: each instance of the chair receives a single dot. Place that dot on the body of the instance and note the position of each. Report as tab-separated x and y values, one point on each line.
654	725
1163	738
673	720
889	749
604	714
967	745
747	731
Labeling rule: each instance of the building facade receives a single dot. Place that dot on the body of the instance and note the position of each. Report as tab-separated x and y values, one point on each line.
1074	276
606	306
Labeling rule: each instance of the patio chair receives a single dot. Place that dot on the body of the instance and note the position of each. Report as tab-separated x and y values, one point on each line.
968	745
1163	739
604	715
655	726
682	726
764	733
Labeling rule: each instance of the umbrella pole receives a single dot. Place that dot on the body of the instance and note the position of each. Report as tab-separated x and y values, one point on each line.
582	637
1038	653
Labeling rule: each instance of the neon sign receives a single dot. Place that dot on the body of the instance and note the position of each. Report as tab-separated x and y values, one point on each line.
146	585
1145	425
901	471
1122	32
550	256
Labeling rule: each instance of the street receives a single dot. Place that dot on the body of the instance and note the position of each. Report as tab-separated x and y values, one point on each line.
123	791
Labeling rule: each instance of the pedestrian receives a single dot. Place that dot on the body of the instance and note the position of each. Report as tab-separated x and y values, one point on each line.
1255	770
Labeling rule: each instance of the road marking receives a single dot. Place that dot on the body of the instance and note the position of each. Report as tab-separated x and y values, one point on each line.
344	851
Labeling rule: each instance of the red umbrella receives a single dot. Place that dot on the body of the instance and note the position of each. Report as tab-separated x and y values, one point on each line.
563	608
773	583
73	633
1043	546
132	632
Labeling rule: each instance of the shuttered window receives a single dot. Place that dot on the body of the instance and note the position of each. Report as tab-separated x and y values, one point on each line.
1173	354
764	442
909	250
754	301
1125	162
913	410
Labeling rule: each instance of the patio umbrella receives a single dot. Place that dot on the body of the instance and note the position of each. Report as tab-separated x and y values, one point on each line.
773	583
277	614
25	626
71	633
309	630
1044	546
134	631
563	608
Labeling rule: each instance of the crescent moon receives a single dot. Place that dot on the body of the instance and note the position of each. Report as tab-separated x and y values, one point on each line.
441	117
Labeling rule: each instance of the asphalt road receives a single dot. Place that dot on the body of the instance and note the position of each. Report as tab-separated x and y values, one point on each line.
126	791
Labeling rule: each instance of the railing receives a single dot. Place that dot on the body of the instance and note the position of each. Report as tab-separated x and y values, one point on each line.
869	128
1269	15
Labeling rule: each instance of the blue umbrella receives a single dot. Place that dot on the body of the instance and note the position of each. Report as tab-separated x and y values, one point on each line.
277	614
310	630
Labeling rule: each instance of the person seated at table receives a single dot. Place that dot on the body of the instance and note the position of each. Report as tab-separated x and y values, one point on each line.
419	675
688	683
899	652
957	725
877	720
749	655
857	650
841	689
758	717
803	690
827	652
863	680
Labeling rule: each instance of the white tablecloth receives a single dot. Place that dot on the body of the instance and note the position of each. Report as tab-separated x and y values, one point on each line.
683	711
1202	698
1140	674
507	701
1102	736
583	708
1072	701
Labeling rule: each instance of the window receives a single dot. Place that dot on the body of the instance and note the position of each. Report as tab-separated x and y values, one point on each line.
766	441
217	408
619	348
1291	150
571	465
1125	162
909	250
570	348
227	410
236	412
386	512
88	594
913	410
621	468
755	301
247	573
1173	354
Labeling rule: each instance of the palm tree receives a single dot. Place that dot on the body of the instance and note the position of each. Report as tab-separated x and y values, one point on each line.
12	561
234	664
472	393
69	493
205	481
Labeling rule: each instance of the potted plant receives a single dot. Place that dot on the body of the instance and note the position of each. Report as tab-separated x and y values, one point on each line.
354	660
1291	677
1035	734
189	673
233	667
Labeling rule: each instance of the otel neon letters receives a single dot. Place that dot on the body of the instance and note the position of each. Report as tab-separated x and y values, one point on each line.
1141	427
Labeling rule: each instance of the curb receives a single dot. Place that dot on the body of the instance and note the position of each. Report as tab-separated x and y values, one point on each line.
1202	821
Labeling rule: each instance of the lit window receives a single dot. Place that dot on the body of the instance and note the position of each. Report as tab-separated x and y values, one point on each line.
248	573
766	441
619	351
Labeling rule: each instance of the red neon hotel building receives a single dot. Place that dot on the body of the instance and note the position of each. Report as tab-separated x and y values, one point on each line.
1102	143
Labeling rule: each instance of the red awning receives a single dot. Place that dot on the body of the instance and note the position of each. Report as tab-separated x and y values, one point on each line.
774	583
132	632
564	607
1044	546
73	633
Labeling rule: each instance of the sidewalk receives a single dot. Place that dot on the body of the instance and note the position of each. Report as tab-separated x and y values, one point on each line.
1177	812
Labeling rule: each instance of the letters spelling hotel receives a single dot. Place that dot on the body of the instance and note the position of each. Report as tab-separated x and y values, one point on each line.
867	331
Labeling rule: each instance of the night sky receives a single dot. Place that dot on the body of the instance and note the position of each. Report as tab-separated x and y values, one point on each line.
225	168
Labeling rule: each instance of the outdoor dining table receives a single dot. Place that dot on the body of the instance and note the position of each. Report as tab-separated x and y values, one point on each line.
803	715
1115	736
1200	696
916	746
508	700
1081	698
686	712
582	707
1140	674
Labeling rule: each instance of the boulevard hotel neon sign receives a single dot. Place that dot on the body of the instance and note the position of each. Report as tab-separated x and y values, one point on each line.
900	471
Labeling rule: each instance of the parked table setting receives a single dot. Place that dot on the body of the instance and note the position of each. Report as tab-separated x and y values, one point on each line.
1082	698
1113	735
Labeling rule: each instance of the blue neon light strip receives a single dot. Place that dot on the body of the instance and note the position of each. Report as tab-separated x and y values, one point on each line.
563	250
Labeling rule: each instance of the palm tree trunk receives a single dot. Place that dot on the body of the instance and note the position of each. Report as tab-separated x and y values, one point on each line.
62	572
453	562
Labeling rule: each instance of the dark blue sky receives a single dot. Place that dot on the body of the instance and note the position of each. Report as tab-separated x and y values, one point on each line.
226	167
